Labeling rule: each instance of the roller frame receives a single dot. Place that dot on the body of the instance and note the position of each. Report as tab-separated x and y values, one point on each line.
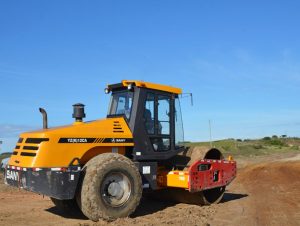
219	174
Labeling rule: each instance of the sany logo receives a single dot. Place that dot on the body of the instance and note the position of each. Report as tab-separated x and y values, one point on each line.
118	140
12	175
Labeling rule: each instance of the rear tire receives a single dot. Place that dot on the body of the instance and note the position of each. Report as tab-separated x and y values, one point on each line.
111	188
69	206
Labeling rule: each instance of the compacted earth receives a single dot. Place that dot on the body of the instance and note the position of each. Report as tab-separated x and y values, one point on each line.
265	192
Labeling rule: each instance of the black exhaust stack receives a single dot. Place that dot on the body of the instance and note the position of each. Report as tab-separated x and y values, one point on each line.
45	120
78	112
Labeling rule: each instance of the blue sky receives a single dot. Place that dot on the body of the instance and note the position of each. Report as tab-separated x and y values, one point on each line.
240	59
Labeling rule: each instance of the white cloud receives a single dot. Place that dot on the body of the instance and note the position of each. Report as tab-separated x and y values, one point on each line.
8	144
10	130
9	134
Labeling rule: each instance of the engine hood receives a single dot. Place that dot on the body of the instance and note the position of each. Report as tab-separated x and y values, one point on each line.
58	146
104	127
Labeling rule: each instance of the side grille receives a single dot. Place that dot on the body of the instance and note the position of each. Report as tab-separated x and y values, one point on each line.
117	128
28	154
33	148
35	140
31	144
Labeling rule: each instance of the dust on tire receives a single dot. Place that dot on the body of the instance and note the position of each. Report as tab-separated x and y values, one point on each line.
92	204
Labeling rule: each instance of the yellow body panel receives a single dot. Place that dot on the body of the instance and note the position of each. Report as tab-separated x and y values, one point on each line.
174	178
150	85
82	141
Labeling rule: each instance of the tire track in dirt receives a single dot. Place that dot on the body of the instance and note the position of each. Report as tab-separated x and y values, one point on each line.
264	193
18	207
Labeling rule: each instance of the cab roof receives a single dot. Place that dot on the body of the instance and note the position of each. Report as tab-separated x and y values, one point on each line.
148	85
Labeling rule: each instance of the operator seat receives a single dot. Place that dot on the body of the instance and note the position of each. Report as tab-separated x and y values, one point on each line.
149	122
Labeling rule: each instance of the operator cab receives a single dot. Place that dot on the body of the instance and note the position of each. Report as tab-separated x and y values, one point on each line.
153	115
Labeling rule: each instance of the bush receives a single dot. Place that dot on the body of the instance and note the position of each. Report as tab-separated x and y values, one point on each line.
276	142
258	146
226	147
267	138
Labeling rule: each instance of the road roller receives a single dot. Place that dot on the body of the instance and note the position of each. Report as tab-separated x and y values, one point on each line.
103	167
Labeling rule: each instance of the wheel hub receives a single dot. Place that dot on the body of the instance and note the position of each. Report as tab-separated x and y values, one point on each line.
115	189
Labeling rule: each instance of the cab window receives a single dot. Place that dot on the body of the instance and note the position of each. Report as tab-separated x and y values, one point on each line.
121	103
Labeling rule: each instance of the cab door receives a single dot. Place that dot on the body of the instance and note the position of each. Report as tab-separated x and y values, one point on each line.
157	121
153	124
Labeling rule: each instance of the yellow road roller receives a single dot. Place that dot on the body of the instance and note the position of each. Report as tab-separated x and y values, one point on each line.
103	167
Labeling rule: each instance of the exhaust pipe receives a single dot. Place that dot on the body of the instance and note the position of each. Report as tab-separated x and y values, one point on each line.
45	120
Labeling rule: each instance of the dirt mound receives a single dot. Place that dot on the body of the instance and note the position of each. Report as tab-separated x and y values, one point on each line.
276	173
272	196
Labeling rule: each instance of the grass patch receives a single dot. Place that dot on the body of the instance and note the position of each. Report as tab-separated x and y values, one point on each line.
4	155
253	147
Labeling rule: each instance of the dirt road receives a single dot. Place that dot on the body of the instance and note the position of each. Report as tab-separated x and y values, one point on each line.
265	192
